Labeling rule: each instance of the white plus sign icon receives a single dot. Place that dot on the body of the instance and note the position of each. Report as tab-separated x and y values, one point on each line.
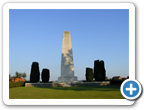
131	89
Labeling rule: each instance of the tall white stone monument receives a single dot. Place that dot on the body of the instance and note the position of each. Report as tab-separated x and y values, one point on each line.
67	66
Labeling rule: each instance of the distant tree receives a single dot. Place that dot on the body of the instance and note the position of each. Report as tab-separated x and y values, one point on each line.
20	75
106	78
116	78
10	78
24	75
17	74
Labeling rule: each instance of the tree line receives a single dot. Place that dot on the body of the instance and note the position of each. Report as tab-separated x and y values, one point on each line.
19	75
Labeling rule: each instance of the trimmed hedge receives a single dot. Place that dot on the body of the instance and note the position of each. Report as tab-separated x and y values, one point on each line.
45	75
99	70
116	82
16	84
89	75
35	73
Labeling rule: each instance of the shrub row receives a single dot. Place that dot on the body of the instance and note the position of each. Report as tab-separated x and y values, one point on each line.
16	84
116	82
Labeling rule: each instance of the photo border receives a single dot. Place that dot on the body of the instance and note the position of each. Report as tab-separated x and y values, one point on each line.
8	6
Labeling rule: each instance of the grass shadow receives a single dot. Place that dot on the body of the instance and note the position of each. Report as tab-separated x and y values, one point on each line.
96	88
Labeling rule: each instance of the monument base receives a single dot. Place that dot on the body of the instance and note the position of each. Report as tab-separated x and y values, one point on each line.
72	84
67	79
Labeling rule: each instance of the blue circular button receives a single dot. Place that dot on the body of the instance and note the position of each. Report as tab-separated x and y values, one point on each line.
130	89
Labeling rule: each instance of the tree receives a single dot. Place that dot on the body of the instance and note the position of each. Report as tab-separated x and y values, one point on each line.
106	78
45	75
99	70
24	75
17	74
35	73
20	75
10	78
89	74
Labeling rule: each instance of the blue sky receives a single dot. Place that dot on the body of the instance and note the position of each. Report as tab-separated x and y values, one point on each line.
36	35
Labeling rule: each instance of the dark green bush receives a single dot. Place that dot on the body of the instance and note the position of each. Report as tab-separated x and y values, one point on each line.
10	84
35	73
96	69
89	74
45	75
16	84
116	82
99	70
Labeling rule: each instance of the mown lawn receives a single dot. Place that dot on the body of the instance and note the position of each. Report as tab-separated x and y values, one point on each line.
98	92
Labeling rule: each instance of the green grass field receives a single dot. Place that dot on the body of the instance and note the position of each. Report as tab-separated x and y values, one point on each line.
98	92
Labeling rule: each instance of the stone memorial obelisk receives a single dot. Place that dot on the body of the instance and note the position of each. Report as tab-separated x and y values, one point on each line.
67	65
